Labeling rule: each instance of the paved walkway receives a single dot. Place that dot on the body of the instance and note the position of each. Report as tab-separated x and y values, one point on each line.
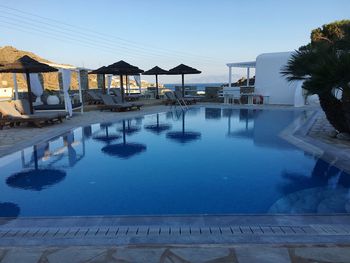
177	254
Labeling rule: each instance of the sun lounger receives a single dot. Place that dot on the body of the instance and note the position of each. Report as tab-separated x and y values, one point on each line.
56	107
135	105
23	107
170	98
11	116
128	97
92	97
110	104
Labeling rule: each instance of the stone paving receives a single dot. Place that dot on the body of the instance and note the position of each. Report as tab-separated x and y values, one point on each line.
323	130
177	254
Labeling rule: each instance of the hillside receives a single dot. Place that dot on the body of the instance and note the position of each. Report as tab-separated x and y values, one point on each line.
9	54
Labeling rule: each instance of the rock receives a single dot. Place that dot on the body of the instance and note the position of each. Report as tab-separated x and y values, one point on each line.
343	136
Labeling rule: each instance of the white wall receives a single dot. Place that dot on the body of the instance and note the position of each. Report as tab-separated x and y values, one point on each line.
269	81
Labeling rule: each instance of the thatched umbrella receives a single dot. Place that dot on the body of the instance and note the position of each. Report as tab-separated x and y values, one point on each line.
27	65
182	70
156	71
36	179
157	128
124	150
183	136
102	70
123	68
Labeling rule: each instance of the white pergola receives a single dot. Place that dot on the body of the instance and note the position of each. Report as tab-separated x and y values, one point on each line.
248	65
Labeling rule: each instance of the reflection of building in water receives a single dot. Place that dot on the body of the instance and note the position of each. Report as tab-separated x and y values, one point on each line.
261	126
240	123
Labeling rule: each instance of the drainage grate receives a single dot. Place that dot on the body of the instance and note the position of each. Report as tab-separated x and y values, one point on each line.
151	231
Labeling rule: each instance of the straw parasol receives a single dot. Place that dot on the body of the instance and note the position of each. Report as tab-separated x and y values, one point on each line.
182	70
102	70
124	150
27	65
123	68
156	71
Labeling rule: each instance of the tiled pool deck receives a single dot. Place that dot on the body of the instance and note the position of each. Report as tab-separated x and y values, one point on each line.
321	238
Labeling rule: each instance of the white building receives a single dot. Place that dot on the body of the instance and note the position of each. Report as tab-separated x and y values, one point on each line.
268	79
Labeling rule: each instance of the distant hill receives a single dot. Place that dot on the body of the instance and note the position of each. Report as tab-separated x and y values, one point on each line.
9	54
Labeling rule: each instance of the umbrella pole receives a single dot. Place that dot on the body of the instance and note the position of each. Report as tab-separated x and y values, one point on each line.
122	88
183	85
157	91
104	84
30	97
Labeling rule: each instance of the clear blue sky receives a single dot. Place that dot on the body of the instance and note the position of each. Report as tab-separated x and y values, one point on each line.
204	34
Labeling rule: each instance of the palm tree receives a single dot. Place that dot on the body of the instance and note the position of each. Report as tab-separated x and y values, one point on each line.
324	65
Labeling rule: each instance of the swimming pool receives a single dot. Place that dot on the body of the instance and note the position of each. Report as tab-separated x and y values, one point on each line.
202	161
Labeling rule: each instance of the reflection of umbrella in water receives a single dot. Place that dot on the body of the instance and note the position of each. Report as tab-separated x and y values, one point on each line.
9	210
36	179
183	136
107	138
129	129
124	150
158	128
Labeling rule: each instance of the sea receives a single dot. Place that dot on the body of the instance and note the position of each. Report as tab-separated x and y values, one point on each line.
200	86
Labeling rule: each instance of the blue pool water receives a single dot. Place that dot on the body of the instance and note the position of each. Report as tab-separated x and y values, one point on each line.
204	161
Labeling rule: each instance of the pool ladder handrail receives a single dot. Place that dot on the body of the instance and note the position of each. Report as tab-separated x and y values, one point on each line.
179	99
